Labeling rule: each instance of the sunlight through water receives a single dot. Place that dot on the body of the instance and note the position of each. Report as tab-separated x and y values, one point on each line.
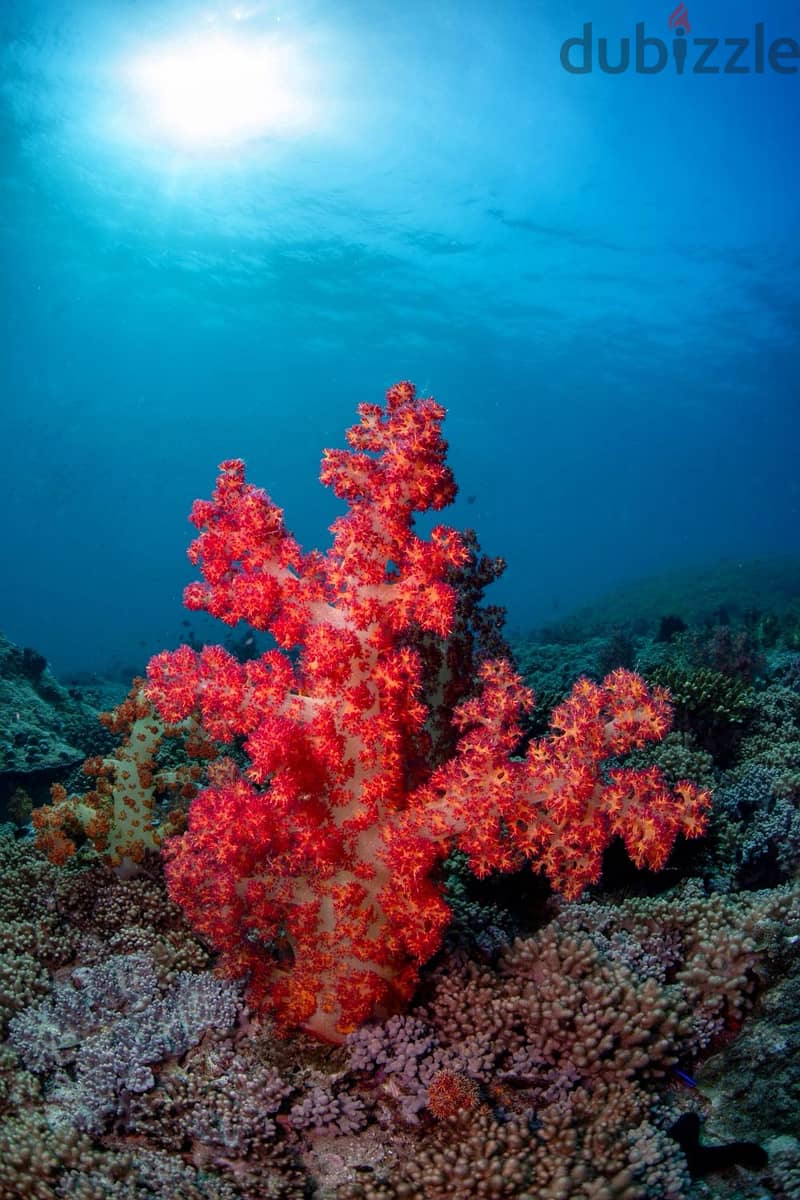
222	90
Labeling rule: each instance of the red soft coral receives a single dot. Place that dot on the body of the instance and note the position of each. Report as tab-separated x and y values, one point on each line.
313	870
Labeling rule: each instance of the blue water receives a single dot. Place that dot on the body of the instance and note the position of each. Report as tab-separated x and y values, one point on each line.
596	274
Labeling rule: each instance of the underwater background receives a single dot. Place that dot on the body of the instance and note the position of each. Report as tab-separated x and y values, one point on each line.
596	274
457	865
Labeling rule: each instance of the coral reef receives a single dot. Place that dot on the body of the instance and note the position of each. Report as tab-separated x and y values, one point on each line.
44	729
570	1028
570	1044
552	1072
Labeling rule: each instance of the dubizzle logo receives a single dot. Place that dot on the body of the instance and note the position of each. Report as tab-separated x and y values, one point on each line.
751	55
679	19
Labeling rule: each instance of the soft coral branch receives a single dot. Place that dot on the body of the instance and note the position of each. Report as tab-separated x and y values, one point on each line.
558	808
136	800
313	871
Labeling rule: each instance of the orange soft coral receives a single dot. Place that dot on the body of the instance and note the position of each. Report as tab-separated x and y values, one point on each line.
121	816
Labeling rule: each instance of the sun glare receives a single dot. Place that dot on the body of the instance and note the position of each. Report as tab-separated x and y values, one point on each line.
219	90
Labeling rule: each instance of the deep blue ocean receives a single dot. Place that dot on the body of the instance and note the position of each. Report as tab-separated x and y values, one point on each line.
224	225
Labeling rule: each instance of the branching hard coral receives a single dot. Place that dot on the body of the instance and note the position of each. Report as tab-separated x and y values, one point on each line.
756	830
313	871
36	1159
18	1087
708	704
772	738
38	1162
102	1030
326	1109
570	1044
33	937
116	978
678	757
598	1146
22	979
548	1075
217	1097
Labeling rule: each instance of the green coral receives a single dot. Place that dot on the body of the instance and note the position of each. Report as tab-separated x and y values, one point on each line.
679	758
772	738
708	704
